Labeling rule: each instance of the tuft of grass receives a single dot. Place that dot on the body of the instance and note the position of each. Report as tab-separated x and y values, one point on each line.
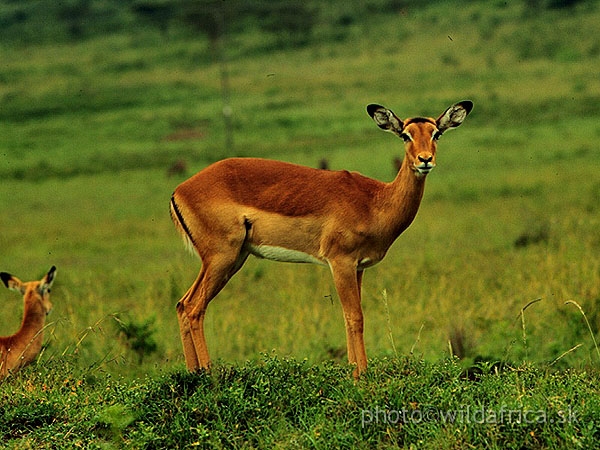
138	335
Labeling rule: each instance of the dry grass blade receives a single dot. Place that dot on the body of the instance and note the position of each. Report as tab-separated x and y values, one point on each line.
388	322
412	349
573	302
565	354
522	315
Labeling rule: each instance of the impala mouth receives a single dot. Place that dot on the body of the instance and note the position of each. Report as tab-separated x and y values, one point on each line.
424	168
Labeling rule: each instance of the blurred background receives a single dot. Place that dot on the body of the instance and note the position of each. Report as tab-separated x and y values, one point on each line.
106	106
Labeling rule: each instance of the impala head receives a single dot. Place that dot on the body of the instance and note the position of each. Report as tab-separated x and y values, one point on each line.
420	134
35	293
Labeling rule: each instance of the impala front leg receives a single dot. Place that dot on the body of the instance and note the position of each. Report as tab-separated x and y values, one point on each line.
348	283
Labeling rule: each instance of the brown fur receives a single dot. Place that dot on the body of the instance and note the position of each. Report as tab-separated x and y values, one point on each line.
242	206
24	346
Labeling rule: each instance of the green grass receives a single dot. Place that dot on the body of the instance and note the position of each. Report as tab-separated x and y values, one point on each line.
283	403
89	130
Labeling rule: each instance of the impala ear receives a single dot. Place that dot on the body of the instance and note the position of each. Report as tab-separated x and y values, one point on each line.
49	278
46	282
454	116
385	118
13	283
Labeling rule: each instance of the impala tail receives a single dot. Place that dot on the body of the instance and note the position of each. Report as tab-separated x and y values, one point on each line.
181	227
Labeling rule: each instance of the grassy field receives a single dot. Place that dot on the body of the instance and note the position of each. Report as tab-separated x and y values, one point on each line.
510	215
281	403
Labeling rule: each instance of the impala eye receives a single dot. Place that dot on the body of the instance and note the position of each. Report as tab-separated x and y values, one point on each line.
436	135
406	137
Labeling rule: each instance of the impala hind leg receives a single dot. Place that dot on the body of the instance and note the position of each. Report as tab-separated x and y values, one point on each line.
191	309
189	351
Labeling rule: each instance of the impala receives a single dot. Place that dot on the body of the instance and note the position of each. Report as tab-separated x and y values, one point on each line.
284	212
25	345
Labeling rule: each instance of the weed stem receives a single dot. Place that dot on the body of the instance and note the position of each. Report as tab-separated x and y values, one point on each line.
388	321
573	302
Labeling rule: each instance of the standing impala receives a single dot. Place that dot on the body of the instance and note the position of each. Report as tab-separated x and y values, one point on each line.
23	347
245	206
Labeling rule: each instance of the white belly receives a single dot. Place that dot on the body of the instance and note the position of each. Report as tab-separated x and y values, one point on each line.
283	254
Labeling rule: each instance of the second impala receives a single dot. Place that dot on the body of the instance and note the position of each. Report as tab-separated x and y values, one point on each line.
285	212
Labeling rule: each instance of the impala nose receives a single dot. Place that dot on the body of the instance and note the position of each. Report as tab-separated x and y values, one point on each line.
426	163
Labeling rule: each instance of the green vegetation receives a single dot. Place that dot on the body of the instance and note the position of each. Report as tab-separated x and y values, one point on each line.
401	403
100	123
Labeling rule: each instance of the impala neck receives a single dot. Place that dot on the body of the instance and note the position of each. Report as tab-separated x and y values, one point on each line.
32	327
406	192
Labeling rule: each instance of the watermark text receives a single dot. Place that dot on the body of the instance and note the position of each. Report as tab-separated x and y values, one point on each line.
465	415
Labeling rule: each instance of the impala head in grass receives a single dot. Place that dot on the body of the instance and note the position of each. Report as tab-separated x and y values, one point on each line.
25	345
